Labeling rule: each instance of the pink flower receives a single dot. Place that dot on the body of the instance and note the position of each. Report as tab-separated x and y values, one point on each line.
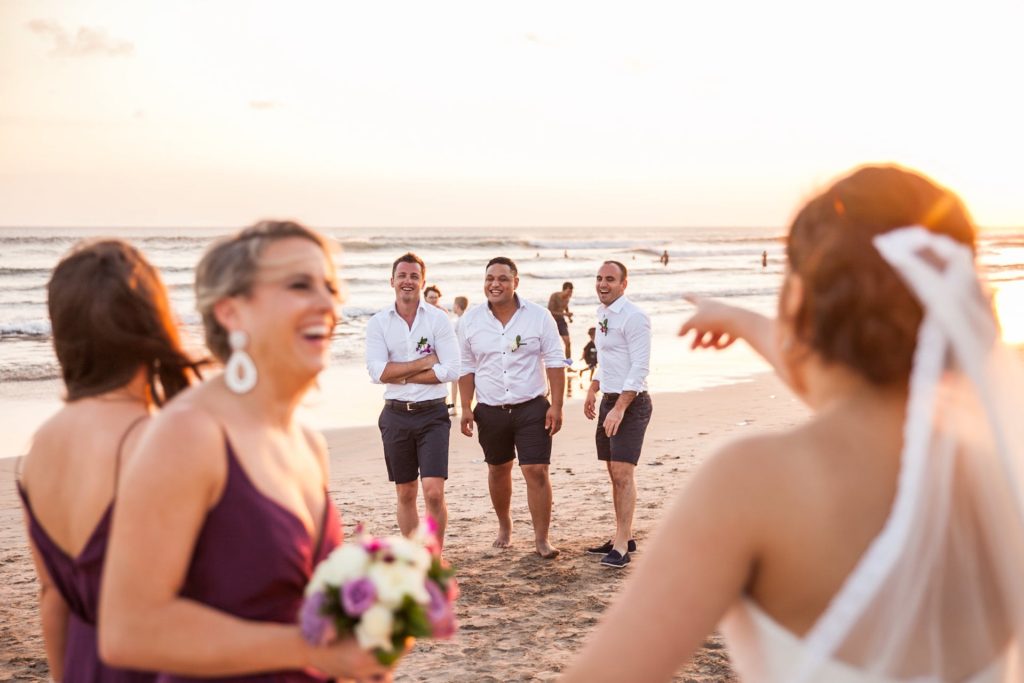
357	596
317	628
374	545
429	537
439	612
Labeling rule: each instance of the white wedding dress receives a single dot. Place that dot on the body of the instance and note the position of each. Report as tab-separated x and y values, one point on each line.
938	596
763	651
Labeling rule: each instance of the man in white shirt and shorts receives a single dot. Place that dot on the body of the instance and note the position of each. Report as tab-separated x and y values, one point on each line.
411	347
508	346
624	346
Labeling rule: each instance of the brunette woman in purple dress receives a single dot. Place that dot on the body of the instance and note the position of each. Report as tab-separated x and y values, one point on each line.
120	357
224	512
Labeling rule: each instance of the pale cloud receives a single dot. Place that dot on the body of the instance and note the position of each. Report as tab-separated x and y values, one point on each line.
264	105
85	42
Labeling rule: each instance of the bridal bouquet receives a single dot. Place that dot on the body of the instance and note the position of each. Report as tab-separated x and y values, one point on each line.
383	591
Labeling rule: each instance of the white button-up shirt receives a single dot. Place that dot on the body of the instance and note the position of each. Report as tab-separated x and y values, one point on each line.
390	340
509	361
623	343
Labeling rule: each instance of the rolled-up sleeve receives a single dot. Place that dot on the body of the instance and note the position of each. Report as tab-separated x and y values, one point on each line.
447	348
637	331
551	344
376	350
468	364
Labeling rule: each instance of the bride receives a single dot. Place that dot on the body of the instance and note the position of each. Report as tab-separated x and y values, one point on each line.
883	540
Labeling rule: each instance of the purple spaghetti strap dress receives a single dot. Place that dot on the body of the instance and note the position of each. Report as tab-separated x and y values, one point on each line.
78	580
253	559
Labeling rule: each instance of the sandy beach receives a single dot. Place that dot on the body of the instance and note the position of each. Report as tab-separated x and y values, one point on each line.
521	618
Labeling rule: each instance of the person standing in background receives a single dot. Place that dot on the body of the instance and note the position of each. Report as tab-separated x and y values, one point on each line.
508	346
411	347
459	307
624	347
558	304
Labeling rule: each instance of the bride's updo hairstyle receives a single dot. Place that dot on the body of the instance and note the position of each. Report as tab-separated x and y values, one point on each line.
229	268
855	310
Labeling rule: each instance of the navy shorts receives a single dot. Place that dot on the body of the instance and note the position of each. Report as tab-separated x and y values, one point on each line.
626	444
415	441
514	432
563	326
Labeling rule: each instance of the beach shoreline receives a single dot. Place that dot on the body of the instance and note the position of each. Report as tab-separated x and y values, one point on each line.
522	618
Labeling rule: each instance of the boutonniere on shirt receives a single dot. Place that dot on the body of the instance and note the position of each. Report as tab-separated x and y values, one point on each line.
423	347
517	343
604	326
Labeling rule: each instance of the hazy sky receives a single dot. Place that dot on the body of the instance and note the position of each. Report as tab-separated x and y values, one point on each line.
496	114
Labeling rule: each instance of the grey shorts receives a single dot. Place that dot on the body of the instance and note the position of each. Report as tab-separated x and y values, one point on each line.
514	432
415	441
626	444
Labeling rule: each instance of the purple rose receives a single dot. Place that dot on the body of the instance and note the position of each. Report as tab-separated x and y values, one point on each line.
439	612
317	628
357	596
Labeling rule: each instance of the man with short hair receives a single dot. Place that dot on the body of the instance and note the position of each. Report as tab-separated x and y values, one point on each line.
558	304
508	345
624	347
411	347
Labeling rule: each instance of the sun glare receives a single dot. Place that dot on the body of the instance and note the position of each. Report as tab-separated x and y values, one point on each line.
1009	302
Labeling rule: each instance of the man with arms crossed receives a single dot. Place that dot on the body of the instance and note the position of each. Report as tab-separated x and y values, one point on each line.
411	347
507	346
624	347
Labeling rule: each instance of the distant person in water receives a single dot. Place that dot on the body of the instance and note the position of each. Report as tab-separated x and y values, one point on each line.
764	259
664	258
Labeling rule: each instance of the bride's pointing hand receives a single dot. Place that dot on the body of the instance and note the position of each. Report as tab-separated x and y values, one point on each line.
714	323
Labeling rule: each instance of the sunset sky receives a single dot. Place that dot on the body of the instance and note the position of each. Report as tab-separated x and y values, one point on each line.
139	113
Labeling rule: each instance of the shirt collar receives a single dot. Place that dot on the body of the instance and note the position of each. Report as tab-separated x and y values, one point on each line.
421	306
520	304
617	305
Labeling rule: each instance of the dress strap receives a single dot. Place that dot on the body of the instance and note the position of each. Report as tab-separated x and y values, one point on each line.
120	447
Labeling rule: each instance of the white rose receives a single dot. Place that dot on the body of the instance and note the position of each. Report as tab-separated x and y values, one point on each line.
374	628
345	563
410	552
395	581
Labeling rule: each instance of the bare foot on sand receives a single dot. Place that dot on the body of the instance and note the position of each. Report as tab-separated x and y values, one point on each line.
504	538
546	550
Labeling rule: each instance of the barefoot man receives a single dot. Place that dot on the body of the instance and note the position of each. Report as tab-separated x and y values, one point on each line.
507	347
558	304
624	347
411	347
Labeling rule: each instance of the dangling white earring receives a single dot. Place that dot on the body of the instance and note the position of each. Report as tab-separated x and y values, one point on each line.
240	372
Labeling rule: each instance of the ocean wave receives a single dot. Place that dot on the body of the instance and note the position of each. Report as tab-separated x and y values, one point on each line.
25	328
431	241
31	372
18	270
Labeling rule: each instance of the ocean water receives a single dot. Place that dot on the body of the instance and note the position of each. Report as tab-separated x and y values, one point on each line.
720	262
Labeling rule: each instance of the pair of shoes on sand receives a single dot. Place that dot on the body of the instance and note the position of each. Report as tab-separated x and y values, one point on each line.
612	557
